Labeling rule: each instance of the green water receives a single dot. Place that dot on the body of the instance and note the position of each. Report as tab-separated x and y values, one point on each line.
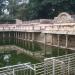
54	51
16	58
31	46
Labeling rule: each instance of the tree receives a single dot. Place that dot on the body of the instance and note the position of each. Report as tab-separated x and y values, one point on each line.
12	7
40	9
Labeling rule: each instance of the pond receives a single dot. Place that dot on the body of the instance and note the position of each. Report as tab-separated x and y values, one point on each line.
13	58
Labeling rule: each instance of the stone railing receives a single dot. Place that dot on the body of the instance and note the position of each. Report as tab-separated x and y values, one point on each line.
60	28
20	28
41	27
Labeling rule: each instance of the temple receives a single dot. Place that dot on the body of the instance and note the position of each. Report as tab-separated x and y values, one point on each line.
37	38
58	32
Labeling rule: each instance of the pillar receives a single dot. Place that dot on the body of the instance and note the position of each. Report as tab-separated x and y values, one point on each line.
33	47
25	36
23	39
26	39
58	43
22	35
3	37
28	36
26	43
18	38
33	36
33	41
9	38
14	38
66	41
51	45
45	44
66	52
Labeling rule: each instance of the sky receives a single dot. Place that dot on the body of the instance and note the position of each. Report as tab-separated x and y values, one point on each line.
5	10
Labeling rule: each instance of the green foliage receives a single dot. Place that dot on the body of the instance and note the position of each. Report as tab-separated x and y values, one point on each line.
7	19
38	9
12	7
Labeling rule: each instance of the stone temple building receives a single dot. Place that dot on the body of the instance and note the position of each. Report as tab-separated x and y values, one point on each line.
44	34
58	32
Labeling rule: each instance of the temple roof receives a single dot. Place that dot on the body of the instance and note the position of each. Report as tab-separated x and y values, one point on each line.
64	18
